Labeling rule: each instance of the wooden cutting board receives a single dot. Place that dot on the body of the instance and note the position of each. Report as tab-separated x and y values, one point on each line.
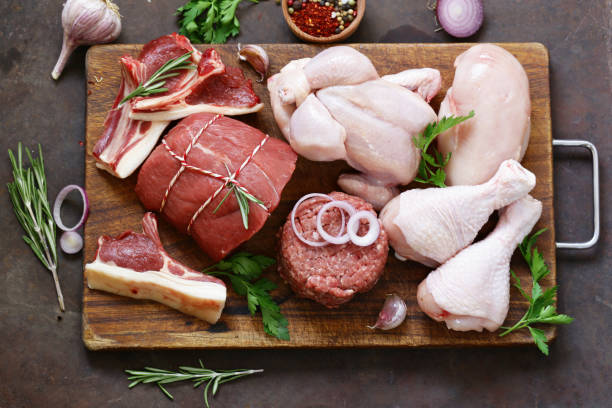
114	322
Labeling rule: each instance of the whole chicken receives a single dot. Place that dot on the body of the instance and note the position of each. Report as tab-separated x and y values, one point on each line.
471	291
431	225
335	107
491	82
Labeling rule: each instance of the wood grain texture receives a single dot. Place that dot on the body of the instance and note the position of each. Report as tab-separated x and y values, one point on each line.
113	322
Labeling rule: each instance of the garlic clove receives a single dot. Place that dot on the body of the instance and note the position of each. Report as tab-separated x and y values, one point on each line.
392	313
87	22
256	57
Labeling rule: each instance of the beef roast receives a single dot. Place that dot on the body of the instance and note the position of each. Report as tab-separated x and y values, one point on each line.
188	191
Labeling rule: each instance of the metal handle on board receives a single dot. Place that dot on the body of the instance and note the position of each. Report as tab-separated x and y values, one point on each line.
595	157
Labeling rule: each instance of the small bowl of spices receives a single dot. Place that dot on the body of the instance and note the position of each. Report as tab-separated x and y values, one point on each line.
323	21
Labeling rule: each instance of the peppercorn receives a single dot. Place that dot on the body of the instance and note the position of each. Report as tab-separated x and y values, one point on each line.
297	5
290	10
290	3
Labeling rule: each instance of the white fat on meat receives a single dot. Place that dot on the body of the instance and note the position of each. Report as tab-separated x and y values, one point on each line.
165	281
471	291
431	225
490	81
315	134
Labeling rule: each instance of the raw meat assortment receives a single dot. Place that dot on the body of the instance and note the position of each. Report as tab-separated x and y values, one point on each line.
187	177
330	274
335	107
132	129
491	82
431	225
136	265
471	291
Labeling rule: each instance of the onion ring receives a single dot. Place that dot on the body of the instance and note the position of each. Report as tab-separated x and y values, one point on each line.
340	238
353	226
295	231
58	205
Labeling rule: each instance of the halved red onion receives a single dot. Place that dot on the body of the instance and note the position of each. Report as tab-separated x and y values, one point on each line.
392	313
71	242
58	205
353	226
297	233
340	238
460	18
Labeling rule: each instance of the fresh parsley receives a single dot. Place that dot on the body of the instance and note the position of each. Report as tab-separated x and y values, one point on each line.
198	375
541	309
431	167
209	21
244	271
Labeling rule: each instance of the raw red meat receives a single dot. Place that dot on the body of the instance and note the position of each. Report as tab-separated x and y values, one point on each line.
137	266
223	145
125	142
128	138
229	93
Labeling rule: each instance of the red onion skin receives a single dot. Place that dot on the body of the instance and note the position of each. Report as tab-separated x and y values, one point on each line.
465	27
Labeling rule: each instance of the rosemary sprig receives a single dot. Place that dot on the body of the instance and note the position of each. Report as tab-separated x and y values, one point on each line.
28	193
541	309
242	197
154	84
431	167
199	375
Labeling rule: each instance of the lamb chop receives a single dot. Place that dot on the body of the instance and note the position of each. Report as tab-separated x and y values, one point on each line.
132	129
136	265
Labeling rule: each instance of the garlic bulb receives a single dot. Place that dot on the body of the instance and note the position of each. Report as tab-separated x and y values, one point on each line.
87	22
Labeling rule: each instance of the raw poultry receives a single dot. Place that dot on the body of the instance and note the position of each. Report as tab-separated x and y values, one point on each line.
471	291
431	225
336	107
491	82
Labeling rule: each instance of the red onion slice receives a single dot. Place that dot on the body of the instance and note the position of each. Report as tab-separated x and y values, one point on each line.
340	238
297	233
353	226
71	242
58	205
460	18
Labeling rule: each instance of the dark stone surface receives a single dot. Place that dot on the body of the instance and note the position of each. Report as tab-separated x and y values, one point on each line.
44	363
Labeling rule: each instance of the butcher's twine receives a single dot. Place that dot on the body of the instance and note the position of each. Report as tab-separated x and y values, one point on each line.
230	178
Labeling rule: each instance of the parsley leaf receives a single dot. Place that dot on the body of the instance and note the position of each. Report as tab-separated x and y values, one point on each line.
541	302
244	271
209	21
431	167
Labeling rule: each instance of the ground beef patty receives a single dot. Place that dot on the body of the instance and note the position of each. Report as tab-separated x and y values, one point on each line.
331	274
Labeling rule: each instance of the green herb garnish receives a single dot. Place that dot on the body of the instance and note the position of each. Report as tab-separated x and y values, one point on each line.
198	375
244	271
541	309
242	197
431	167
209	21
154	84
28	193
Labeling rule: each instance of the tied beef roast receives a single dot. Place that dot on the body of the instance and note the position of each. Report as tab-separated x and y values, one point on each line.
190	178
